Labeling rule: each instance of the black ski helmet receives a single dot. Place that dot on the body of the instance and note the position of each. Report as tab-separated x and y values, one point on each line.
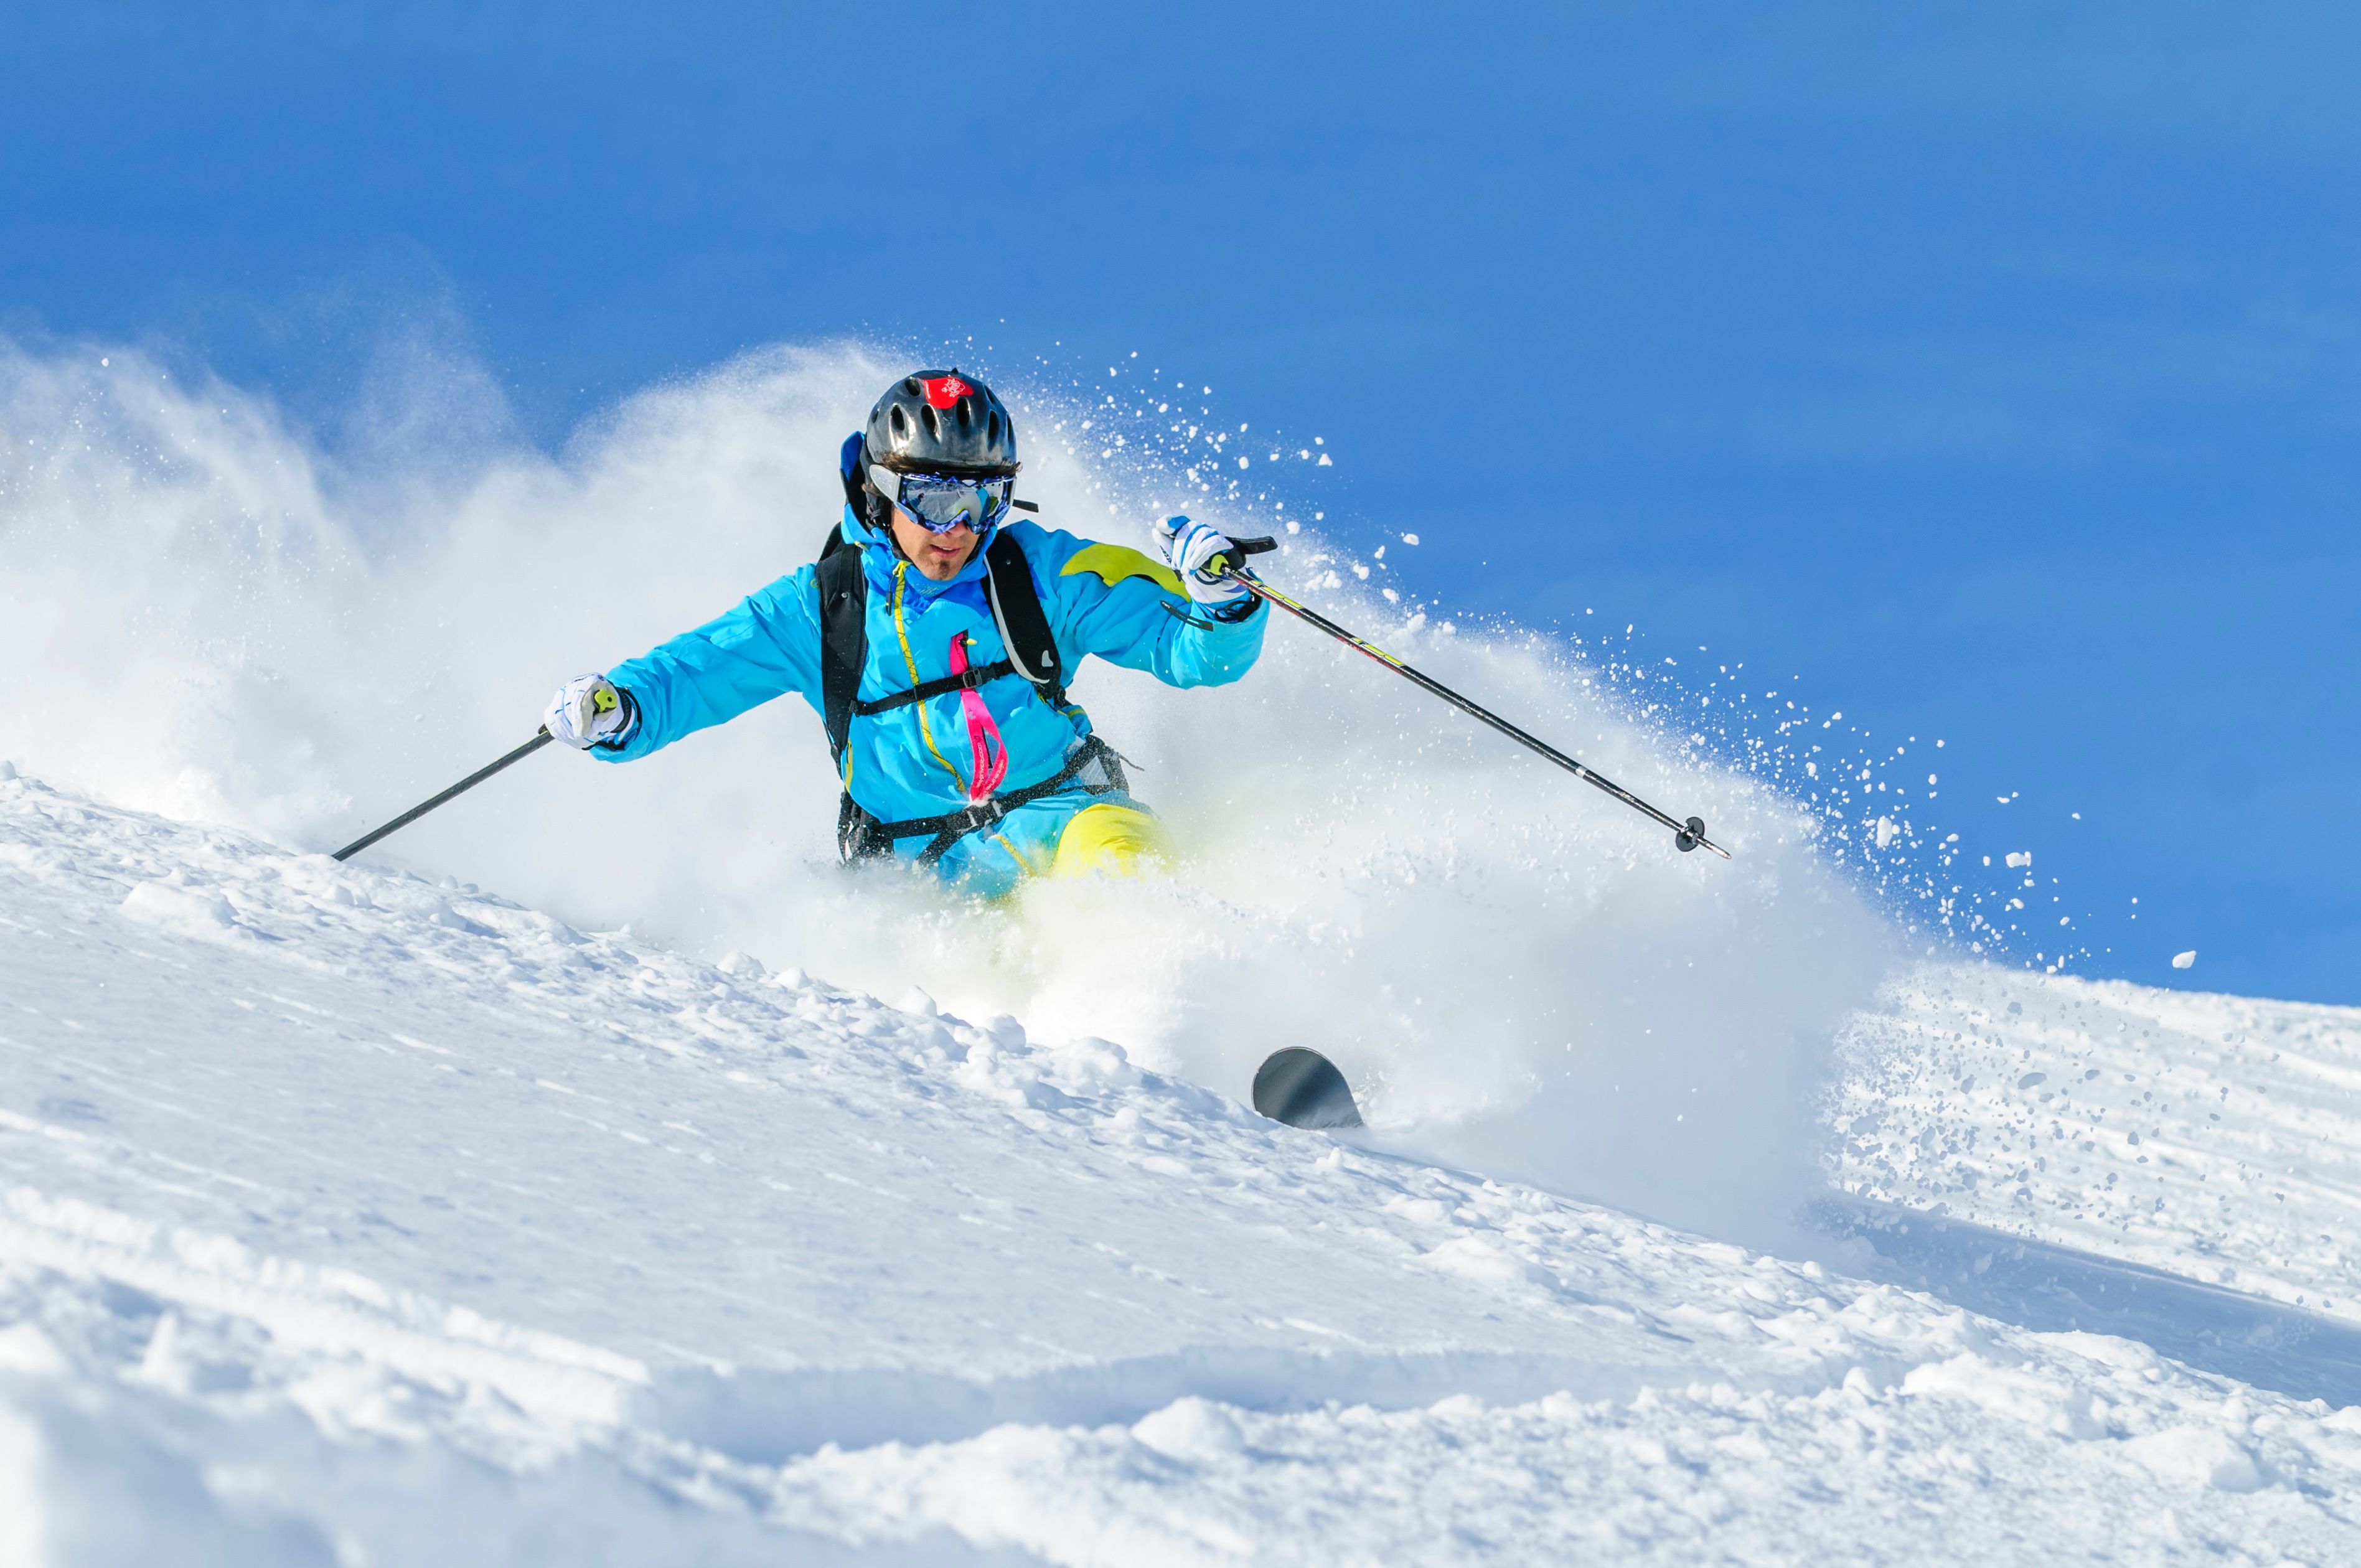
939	421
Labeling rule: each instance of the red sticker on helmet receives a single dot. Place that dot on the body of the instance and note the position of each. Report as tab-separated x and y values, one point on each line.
945	391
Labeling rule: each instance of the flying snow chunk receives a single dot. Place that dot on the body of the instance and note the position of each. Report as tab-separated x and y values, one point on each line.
2185	960
1409	539
1886	831
2020	858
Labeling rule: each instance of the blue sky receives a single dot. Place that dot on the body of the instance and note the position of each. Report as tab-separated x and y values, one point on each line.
1991	371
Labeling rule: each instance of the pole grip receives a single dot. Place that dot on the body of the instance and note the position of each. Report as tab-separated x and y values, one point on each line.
1229	564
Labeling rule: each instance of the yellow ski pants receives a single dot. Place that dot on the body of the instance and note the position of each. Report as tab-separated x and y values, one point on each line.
1114	840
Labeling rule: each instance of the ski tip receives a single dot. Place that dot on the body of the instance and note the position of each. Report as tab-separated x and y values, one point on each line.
1303	1089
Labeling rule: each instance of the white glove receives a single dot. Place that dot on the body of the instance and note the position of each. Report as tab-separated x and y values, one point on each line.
587	710
1190	548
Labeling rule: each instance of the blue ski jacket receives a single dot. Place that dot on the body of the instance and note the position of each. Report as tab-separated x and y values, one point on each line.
916	760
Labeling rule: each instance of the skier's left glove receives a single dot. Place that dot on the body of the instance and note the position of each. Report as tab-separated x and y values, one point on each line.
590	710
1199	552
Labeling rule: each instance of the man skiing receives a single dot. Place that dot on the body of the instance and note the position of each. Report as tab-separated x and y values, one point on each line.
935	637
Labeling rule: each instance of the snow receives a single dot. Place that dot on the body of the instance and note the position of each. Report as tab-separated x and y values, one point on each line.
352	1218
354	1214
2214	1138
1504	961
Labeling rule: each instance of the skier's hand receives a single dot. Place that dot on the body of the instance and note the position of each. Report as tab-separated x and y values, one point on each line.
1192	549
588	710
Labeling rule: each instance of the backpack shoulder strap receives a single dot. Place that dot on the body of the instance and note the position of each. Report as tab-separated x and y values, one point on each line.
1024	626
843	592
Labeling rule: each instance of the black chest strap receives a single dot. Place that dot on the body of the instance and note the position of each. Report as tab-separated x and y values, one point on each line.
969	681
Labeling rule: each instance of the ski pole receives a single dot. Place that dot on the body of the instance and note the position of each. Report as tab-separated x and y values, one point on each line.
462	787
1686	835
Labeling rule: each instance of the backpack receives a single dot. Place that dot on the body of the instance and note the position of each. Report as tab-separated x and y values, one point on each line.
843	589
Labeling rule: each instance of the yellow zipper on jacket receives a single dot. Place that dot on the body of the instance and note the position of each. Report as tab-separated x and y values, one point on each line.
926	731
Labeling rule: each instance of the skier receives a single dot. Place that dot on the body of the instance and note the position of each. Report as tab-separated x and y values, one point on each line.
935	636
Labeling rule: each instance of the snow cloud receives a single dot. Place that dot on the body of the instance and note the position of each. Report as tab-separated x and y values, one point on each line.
210	617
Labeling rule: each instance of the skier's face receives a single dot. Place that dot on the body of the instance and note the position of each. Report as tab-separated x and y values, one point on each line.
938	555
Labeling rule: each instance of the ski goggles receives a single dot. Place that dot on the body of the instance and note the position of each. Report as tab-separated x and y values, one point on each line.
943	502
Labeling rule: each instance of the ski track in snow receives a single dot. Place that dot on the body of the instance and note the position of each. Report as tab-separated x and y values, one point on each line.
2216	1137
348	1217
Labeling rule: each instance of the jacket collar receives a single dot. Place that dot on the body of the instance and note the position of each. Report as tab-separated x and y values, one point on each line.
880	557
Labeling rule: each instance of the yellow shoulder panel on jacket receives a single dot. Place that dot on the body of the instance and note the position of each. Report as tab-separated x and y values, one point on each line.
1111	563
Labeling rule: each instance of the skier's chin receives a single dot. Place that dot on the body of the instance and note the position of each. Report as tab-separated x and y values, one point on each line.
941	565
937	557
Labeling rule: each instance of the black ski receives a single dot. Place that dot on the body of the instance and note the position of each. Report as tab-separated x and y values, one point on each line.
1303	1089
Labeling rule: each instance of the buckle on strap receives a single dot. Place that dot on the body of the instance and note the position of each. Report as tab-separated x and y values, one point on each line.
953	826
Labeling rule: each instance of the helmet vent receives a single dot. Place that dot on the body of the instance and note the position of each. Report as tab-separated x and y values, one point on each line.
944	423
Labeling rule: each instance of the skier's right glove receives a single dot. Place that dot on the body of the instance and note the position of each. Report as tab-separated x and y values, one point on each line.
1192	549
590	710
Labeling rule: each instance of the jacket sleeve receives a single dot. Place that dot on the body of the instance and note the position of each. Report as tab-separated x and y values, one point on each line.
1130	609
765	647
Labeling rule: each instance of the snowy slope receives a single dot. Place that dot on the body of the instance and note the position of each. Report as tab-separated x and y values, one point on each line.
351	1218
2212	1136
